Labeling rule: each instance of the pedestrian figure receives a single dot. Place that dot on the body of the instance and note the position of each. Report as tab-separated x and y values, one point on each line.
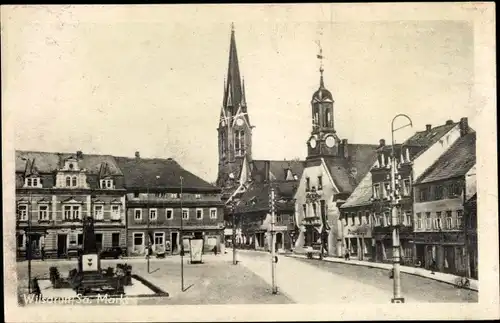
433	266
42	252
215	250
391	274
347	255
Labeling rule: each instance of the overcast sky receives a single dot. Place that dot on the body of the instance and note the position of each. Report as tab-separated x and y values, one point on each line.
117	80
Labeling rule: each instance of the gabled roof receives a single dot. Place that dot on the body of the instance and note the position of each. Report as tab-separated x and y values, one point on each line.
456	161
361	194
159	173
347	173
428	138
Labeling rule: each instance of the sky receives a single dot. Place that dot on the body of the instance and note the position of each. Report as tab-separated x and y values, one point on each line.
116	80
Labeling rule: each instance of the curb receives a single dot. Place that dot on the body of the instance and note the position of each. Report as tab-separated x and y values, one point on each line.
367	264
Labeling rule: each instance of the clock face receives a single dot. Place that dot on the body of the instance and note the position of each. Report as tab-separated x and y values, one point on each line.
223	123
239	122
312	142
330	141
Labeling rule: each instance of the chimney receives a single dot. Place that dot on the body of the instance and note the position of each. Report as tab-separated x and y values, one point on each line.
428	127
382	143
137	154
346	151
464	126
79	154
449	122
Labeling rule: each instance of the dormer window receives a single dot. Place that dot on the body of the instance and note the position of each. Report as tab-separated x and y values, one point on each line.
33	182
71	166
106	183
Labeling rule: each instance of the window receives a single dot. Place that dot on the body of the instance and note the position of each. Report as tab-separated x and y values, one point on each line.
460	215
170	214
304	208
387	219
344	219
199	214
320	182
43	212
351	219
159	238
386	189
23	212
359	219
308	184
424	194
377	219
314	209
292	219
368	218
73	181
80	239
278	218
98	212
136	195
428	225
138	239
419	221
449	223
185	214
153	214
406	187
408	218
175	195
439	224
438	192
213	213
32	182
197	196
67	212
68	181
76	212
454	190
29	182
106	183
376	191
239	143
138	214
115	212
71	212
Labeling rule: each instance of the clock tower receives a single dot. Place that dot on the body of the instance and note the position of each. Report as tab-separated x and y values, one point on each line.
234	129
323	140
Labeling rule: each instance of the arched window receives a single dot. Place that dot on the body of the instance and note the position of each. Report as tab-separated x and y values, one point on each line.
68	181
328	118
315	115
74	181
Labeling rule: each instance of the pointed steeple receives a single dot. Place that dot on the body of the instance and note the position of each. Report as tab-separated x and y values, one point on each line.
233	91
243	98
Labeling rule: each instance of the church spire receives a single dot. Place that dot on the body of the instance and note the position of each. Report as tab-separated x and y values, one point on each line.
233	91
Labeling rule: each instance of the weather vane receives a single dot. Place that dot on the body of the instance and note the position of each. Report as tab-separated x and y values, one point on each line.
320	56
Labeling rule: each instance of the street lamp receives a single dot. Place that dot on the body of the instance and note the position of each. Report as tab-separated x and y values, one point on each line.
395	218
232	206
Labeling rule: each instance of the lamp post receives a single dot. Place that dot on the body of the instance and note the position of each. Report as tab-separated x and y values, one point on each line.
273	238
395	218
182	239
232	206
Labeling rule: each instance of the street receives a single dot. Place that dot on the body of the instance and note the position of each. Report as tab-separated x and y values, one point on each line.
302	281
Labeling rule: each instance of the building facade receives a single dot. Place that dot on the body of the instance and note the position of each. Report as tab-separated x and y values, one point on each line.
167	205
333	168
441	194
55	191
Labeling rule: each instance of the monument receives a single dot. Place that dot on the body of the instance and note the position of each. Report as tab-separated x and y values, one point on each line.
88	279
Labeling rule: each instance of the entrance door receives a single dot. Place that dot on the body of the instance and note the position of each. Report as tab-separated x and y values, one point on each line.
173	240
62	247
279	241
115	239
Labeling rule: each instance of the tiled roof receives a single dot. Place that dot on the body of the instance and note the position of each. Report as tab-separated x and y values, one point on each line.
428	138
361	194
48	162
256	197
456	161
143	172
347	173
262	170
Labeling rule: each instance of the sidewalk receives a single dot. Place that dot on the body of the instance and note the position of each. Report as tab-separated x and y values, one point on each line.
442	277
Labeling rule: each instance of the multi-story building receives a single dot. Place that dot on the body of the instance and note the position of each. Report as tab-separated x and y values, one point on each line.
413	158
55	191
441	193
164	199
357	221
471	234
245	181
333	168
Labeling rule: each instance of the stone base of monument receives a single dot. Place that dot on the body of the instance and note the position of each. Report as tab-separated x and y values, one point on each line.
140	287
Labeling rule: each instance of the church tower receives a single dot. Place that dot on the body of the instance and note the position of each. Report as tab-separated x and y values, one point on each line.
234	129
323	141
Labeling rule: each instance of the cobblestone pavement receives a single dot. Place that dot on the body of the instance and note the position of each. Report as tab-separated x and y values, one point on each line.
314	281
216	281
